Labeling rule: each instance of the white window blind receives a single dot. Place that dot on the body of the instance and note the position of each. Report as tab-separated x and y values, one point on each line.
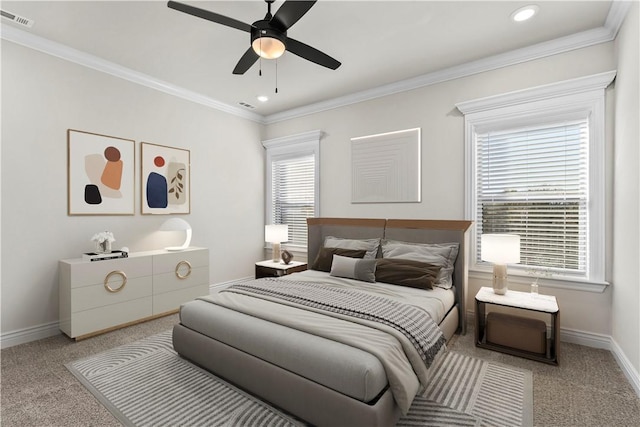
534	182
293	195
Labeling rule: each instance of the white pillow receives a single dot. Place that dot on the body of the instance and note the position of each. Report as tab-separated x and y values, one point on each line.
442	254
354	268
369	245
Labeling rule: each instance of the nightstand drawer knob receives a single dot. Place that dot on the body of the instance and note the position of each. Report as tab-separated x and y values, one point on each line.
114	273
183	273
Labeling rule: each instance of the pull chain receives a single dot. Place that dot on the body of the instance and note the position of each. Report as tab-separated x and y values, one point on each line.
260	69
276	76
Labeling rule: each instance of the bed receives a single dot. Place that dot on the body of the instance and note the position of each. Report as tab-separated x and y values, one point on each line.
275	339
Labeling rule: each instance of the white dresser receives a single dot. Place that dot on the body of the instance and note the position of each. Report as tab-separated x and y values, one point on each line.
99	296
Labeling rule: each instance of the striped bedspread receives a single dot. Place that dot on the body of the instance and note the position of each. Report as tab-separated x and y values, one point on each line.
415	324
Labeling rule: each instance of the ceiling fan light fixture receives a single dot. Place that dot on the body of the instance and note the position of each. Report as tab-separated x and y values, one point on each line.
266	41
268	47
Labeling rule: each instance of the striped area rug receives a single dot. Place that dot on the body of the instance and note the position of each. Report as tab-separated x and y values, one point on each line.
471	392
147	384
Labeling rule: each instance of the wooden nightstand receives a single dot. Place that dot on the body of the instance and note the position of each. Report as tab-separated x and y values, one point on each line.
522	301
276	269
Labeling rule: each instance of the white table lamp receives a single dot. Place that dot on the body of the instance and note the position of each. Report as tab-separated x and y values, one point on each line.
177	224
276	234
500	249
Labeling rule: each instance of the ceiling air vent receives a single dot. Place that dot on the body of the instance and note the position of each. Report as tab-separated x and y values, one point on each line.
17	19
244	104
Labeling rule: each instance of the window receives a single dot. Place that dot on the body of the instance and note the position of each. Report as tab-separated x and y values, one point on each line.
535	167
292	184
533	182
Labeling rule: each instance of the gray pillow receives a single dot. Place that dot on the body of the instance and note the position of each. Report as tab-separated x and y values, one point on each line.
325	257
441	254
354	268
369	245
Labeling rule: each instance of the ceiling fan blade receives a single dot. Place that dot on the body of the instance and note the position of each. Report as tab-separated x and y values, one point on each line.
248	59
312	54
289	13
209	16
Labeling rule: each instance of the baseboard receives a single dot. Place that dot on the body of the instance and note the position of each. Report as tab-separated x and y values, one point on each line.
626	366
588	339
23	336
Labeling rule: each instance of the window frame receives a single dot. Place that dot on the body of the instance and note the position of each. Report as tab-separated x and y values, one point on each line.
576	98
288	147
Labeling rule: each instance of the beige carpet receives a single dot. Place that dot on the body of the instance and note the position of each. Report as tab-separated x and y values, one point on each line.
587	389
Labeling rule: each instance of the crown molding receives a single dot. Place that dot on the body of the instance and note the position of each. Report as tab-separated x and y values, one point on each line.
617	13
537	51
606	33
41	44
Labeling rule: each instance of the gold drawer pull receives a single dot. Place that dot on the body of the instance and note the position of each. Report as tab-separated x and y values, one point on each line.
113	273
180	264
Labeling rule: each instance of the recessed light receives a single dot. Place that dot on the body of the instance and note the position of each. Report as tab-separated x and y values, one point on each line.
525	13
263	98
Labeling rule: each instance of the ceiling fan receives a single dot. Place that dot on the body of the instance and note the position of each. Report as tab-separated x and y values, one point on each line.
269	35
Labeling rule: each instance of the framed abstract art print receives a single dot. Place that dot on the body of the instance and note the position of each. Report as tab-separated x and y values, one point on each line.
165	180
100	174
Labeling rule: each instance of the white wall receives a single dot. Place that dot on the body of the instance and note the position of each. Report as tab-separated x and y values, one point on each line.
432	108
42	97
626	265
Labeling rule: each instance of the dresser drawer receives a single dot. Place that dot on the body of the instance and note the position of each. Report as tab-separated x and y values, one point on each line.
170	301
88	297
93	273
98	319
182	279
169	262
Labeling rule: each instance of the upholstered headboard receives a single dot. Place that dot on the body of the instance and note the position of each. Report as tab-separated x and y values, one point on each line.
348	228
439	231
407	230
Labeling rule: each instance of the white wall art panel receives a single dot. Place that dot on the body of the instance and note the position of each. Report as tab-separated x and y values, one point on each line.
385	168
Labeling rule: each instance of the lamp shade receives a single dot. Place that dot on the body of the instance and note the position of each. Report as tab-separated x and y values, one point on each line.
276	233
177	224
501	248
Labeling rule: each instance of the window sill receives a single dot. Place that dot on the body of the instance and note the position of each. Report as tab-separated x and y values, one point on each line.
573	284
